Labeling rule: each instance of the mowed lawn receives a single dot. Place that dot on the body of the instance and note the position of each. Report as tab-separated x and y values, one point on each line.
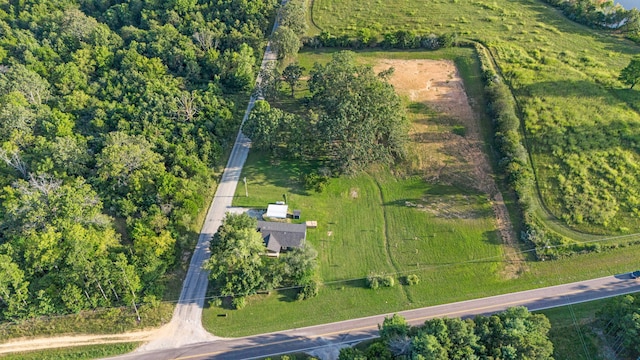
582	123
364	226
462	261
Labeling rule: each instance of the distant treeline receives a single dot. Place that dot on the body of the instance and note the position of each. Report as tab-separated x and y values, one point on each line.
601	14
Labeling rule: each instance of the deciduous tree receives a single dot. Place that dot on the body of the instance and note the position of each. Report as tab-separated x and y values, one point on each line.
630	75
291	75
361	118
285	42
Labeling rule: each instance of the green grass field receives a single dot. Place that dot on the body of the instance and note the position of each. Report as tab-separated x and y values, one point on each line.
582	124
74	353
462	261
371	222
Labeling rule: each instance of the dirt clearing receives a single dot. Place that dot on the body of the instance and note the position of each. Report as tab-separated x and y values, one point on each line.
447	145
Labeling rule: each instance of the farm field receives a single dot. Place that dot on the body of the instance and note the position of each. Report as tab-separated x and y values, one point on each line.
582	124
385	221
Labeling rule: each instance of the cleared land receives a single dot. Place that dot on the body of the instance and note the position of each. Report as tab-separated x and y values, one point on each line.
367	223
447	142
582	125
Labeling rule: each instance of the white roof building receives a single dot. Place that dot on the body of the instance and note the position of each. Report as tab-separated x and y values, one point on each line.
277	211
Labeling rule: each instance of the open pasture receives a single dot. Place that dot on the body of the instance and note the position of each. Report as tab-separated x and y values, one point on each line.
582	125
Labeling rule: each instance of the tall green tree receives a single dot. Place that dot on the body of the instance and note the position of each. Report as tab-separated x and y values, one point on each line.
299	264
361	118
630	75
237	68
274	130
292	74
13	289
294	16
236	265
285	42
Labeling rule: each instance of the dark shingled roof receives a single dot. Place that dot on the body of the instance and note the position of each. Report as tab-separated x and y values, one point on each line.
279	235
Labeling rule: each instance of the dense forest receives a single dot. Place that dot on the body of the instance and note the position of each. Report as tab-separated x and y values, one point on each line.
112	113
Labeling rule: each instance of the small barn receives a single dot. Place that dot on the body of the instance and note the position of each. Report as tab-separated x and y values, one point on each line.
277	211
280	236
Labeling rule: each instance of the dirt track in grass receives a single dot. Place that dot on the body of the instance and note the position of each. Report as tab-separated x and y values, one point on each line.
30	344
447	141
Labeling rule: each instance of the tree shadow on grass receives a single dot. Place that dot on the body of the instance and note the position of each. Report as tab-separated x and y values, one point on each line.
357	283
288	295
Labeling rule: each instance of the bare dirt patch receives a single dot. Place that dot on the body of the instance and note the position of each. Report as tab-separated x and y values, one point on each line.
447	142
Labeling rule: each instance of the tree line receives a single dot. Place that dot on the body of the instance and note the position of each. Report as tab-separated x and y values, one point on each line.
111	117
619	320
512	334
601	14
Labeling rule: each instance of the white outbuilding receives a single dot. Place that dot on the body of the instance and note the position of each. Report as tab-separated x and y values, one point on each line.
277	211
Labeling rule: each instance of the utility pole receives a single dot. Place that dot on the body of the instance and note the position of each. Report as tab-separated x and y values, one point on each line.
246	191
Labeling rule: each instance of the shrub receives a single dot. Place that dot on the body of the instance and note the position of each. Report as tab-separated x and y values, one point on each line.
215	302
388	281
239	302
412	279
309	290
315	181
448	40
459	130
374	281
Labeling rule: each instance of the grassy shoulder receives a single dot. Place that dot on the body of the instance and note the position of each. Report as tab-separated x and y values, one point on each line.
74	353
102	321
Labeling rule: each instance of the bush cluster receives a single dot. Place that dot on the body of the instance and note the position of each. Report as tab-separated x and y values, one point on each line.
315	181
375	281
599	14
400	39
309	290
412	279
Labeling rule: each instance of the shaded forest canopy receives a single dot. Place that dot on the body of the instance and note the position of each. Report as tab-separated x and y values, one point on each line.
111	116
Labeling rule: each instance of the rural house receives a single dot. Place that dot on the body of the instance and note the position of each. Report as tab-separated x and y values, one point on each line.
279	236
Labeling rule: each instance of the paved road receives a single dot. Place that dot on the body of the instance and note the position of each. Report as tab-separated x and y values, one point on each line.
351	331
186	324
